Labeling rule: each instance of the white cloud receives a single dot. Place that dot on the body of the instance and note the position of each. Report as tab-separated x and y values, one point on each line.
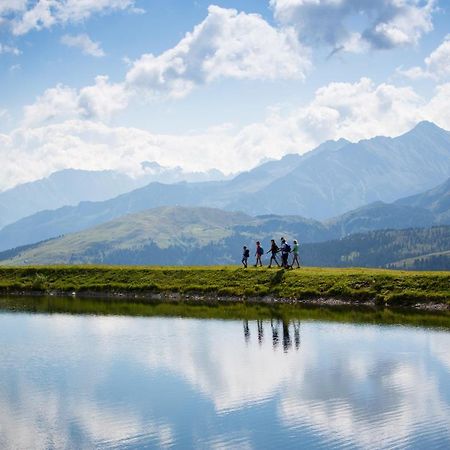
351	110
30	153
414	73
103	99
47	13
227	44
374	23
60	103
11	6
437	110
15	68
437	65
362	109
40	16
9	49
84	43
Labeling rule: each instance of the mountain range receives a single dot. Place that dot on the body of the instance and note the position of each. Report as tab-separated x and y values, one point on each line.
71	186
330	178
336	177
423	210
336	180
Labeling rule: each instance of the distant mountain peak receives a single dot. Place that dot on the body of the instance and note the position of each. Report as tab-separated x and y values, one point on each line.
426	126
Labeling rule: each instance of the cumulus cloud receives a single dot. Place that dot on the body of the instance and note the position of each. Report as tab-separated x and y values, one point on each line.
339	110
47	13
60	103
226	44
11	6
379	24
438	107
436	66
358	110
84	43
351	110
102	99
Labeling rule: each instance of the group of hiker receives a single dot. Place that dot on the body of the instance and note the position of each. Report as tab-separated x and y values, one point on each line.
284	249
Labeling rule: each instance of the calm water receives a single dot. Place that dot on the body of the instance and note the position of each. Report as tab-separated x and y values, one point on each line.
90	381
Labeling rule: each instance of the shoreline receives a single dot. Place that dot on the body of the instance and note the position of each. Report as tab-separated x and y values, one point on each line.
212	300
221	284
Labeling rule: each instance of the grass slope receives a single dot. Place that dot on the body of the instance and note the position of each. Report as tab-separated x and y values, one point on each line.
166	235
206	236
380	286
165	227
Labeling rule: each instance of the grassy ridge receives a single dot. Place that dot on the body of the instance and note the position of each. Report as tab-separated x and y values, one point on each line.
359	285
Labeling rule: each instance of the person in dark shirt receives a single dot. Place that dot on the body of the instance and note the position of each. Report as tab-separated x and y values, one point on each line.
259	252
245	256
273	250
285	250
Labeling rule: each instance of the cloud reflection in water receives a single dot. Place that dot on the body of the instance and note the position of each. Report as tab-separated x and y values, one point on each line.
83	381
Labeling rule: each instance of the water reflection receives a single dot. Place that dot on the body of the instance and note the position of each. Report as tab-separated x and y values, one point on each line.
70	381
286	327
260	331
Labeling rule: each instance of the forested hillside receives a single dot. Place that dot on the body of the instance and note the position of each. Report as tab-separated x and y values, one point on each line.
403	249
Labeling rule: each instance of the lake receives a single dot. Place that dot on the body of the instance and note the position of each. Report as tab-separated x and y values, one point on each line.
74	376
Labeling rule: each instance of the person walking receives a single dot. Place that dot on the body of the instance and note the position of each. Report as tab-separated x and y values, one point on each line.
295	253
245	256
259	252
273	250
285	250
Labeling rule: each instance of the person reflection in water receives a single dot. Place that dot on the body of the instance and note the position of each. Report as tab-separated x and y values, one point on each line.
275	337
246	331
275	325
287	343
260	331
297	334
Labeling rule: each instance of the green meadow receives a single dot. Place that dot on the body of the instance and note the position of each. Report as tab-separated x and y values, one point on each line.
382	287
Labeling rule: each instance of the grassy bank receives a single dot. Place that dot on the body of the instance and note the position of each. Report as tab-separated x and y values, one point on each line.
392	288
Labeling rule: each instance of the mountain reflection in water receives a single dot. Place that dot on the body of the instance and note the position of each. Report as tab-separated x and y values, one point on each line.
255	381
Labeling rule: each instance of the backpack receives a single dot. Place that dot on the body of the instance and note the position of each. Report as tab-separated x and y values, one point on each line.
260	251
247	253
287	248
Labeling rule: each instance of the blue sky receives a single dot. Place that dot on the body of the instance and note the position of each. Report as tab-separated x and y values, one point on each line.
106	84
